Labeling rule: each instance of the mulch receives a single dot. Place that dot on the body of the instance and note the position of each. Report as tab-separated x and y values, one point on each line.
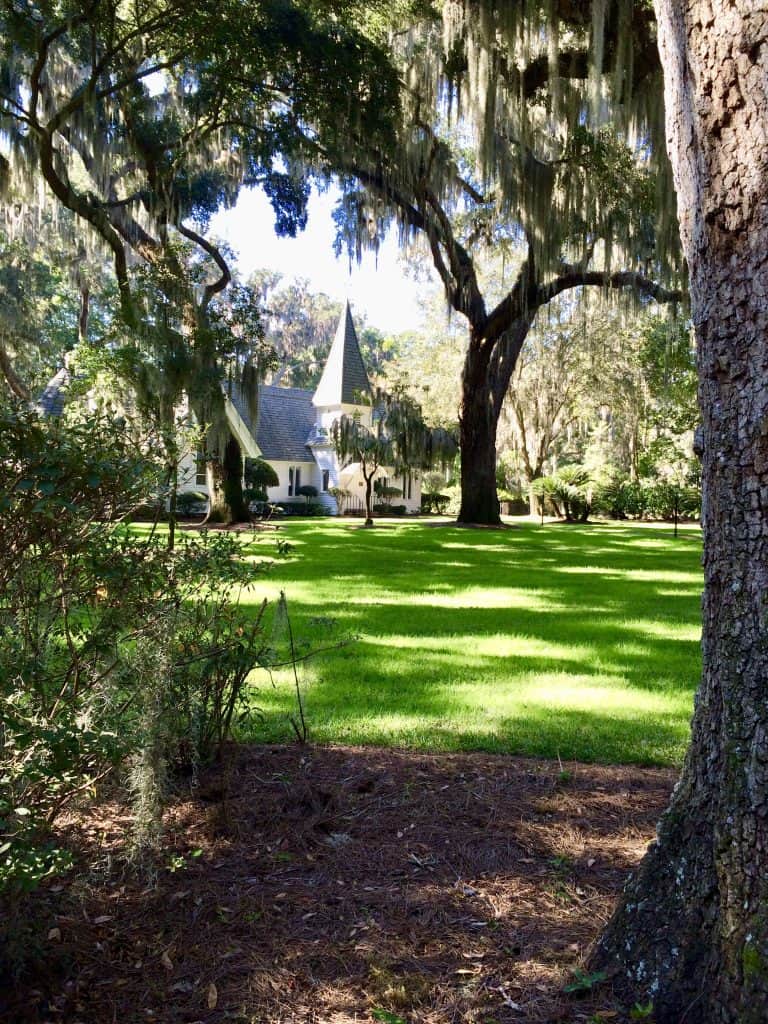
335	885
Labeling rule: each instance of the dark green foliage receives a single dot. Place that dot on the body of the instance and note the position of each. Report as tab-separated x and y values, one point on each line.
386	493
189	502
647	499
569	492
388	509
307	491
259	474
111	645
302	508
434	501
398	439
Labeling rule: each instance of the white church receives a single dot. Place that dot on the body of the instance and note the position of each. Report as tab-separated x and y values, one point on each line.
292	432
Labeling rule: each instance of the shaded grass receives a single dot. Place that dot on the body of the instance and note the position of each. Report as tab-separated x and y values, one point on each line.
578	642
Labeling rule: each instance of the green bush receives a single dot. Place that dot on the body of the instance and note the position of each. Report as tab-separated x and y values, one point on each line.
621	498
112	647
259	474
384	509
568	492
189	502
433	502
303	508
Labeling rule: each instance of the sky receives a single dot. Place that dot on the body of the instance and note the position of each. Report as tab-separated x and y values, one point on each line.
378	290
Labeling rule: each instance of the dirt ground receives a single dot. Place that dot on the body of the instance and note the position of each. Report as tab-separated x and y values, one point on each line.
340	885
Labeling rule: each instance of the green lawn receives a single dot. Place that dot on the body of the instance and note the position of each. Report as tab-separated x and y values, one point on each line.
577	641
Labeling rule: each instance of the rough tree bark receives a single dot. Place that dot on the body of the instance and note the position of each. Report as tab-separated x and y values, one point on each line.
692	930
478	423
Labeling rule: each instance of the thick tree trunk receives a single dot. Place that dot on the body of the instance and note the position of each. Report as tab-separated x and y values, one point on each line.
477	439
692	931
12	379
232	483
214	480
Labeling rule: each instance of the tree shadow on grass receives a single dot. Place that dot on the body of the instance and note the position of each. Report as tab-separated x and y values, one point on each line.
457	633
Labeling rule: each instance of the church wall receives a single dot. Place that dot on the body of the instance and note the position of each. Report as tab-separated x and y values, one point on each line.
308	474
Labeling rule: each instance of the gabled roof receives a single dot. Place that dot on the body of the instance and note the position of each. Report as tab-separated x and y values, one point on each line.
344	378
285	420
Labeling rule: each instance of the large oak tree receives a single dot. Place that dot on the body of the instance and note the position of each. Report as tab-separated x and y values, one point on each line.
530	126
692	930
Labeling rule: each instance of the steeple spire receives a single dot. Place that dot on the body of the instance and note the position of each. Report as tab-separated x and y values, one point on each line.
344	377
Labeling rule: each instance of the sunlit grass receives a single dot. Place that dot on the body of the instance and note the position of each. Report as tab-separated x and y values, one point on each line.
580	642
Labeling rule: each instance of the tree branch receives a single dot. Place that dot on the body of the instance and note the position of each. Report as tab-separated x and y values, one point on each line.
575	278
13	380
221	283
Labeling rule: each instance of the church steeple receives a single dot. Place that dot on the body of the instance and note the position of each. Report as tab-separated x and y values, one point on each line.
344	377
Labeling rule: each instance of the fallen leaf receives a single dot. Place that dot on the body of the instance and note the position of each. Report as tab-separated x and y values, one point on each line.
213	996
103	919
166	961
54	935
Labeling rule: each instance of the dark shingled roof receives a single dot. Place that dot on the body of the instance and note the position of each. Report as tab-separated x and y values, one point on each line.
285	420
344	378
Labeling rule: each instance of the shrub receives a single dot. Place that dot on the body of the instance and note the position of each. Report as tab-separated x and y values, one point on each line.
341	495
190	502
386	494
433	502
259	474
568	492
112	647
302	508
307	491
384	509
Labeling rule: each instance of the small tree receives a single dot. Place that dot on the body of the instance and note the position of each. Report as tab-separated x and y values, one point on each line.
369	447
307	491
397	439
258	476
341	495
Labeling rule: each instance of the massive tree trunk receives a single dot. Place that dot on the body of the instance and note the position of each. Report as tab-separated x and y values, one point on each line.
232	483
692	931
478	422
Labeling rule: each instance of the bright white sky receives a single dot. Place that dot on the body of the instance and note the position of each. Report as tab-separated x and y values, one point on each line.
377	289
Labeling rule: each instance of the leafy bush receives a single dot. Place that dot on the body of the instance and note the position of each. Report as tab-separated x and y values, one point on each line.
621	498
341	495
303	508
655	499
386	494
569	492
668	500
259	474
190	502
112	647
385	509
432	502
307	491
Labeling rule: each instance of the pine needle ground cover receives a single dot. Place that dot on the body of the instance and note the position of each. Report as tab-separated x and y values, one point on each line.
579	642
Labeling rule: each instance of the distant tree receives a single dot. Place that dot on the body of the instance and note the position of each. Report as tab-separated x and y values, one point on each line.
299	325
508	144
398	439
144	166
